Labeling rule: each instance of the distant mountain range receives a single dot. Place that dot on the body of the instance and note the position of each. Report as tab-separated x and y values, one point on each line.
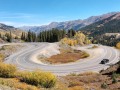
75	24
106	31
107	25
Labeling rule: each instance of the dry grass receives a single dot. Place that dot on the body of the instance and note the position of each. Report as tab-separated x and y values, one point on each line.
15	33
12	48
91	80
88	73
67	56
76	88
16	84
38	78
2	57
7	50
7	70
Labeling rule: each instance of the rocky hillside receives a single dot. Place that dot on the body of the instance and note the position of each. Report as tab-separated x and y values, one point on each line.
6	29
108	25
105	31
75	24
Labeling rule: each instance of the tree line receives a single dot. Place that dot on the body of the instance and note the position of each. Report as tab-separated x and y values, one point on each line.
53	35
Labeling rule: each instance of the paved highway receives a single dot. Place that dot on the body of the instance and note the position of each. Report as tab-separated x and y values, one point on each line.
23	61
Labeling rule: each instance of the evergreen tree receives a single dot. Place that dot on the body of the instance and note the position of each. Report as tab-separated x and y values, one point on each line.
29	36
9	36
0	35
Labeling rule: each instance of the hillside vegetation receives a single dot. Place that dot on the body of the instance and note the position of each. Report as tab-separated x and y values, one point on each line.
67	53
97	31
36	78
78	39
9	33
105	80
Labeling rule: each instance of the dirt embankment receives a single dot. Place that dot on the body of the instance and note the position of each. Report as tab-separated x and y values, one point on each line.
67	56
7	50
105	80
62	55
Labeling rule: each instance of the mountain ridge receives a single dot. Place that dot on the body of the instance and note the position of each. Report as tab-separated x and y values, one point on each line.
73	24
7	29
105	31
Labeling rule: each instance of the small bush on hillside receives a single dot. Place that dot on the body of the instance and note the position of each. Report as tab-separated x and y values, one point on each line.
118	45
74	83
114	80
16	85
38	78
114	75
7	70
104	85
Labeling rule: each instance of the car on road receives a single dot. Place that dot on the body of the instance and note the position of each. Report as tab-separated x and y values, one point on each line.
104	61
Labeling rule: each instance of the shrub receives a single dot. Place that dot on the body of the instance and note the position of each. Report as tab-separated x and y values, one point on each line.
16	85
7	70
69	41
118	45
114	75
104	85
74	83
114	80
38	78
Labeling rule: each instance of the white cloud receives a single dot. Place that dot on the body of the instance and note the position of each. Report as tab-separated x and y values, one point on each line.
6	15
17	24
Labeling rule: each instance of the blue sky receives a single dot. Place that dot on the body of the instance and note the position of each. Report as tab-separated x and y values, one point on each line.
41	12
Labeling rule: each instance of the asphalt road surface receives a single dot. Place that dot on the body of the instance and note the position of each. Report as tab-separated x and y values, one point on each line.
22	60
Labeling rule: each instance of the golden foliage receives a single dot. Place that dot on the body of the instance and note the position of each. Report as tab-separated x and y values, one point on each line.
38	78
7	70
118	45
69	41
16	84
79	39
